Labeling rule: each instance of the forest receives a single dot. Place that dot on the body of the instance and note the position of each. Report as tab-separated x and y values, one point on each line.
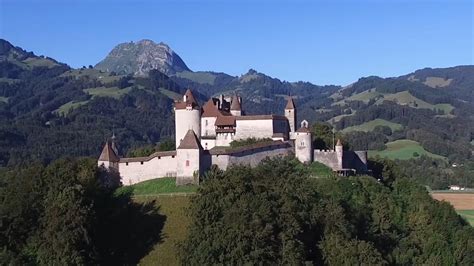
69	212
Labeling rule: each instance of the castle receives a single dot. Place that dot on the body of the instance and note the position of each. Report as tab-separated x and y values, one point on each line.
203	138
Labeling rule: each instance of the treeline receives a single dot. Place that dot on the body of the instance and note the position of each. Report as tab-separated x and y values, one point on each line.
67	214
275	214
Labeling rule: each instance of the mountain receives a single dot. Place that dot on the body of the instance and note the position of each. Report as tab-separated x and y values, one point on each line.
48	109
141	57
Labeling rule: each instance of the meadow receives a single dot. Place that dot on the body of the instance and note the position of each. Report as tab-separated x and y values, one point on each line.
370	126
157	186
403	150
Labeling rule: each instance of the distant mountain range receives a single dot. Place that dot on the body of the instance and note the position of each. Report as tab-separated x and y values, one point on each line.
48	109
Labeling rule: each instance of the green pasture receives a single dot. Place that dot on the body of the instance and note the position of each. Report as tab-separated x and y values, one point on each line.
404	150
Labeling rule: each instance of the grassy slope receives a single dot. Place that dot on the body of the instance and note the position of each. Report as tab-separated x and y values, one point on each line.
39	62
403	150
113	92
173	207
199	77
468	215
320	170
157	186
174	230
67	107
170	94
369	126
104	77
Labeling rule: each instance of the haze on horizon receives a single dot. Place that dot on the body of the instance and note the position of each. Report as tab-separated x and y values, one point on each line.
322	42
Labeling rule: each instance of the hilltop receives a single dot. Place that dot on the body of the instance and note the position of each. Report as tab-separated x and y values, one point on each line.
141	57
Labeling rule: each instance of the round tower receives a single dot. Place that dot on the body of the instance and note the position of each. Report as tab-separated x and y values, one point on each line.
187	116
339	153
304	143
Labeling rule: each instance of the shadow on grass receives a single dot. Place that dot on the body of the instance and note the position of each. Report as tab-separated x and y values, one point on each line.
127	230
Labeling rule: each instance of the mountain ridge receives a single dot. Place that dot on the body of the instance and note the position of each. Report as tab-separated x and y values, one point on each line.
141	57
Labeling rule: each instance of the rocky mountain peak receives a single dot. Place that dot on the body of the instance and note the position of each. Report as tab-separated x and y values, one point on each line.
141	57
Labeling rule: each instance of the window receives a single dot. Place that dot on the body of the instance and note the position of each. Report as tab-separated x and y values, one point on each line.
159	157
141	162
187	162
126	164
172	156
206	123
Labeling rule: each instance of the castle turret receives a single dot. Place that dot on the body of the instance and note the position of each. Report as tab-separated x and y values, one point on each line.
339	154
187	117
108	158
235	106
304	143
290	114
189	154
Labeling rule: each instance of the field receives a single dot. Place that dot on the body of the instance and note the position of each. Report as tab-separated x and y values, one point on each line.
157	186
104	77
403	150
369	126
199	77
364	96
468	215
113	92
462	202
406	98
174	230
67	107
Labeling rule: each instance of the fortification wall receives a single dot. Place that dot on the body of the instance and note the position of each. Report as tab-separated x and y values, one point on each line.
134	172
250	157
328	158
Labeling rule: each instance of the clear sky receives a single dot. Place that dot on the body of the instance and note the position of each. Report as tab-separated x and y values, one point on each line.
324	42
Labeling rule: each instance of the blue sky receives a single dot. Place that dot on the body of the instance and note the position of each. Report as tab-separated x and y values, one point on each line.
324	42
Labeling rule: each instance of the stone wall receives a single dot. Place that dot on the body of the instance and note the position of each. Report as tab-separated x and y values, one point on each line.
326	157
250	157
137	171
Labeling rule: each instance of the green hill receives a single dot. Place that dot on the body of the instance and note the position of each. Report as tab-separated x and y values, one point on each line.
403	149
369	126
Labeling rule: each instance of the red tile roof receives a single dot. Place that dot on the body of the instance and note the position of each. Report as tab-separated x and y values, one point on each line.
225	121
190	141
190	101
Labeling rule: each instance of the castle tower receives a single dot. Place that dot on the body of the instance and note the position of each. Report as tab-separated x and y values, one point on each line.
187	116
304	143
235	106
339	153
188	157
108	158
290	114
